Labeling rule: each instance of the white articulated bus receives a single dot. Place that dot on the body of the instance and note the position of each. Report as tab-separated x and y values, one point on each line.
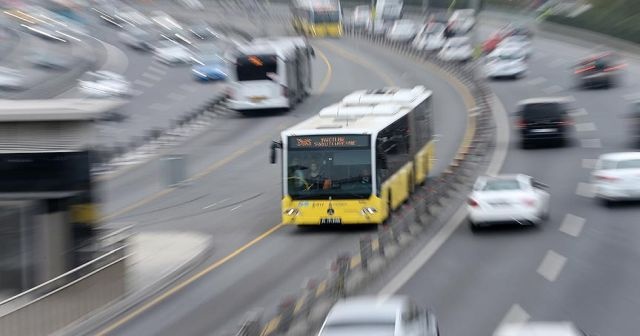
357	160
270	73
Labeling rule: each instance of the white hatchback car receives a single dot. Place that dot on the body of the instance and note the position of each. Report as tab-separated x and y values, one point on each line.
507	199
616	177
104	84
539	328
402	31
456	49
505	62
430	38
371	316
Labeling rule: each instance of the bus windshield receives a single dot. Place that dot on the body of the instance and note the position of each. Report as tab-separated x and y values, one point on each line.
256	67
338	172
326	17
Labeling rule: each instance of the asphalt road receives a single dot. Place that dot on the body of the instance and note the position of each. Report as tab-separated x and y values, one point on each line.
236	198
580	266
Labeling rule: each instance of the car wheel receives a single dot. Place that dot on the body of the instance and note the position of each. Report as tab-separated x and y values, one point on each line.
607	202
473	226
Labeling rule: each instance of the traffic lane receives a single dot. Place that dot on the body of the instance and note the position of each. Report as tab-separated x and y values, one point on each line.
249	174
230	136
198	316
450	120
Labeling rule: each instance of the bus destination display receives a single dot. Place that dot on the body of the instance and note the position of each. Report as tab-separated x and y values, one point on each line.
329	141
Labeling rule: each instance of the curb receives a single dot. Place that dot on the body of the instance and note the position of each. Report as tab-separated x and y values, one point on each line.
97	320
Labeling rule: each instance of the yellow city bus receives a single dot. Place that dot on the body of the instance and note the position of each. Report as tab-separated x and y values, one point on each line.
317	18
357	160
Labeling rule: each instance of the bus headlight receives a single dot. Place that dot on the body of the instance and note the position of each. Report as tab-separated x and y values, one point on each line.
368	211
292	212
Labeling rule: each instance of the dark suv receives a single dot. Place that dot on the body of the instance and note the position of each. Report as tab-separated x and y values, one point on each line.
602	70
544	119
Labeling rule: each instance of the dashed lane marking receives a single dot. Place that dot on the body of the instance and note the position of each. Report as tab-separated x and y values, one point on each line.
158	71
586	127
579	113
585	190
572	225
515	315
591	143
551	265
143	83
589	163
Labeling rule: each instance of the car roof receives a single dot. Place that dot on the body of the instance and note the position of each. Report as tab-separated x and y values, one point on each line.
367	308
620	156
543	100
538	329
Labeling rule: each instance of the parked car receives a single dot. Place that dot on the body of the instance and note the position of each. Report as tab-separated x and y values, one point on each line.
402	31
361	17
505	62
463	20
507	199
616	177
377	27
520	43
430	38
371	316
456	49
104	84
171	52
137	38
601	70
544	119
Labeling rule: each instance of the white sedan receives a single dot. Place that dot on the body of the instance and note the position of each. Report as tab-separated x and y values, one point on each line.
431	38
507	199
505	62
456	49
170	52
402	31
104	84
520	43
616	177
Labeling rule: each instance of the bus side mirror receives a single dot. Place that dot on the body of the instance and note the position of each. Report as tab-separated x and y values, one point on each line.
274	146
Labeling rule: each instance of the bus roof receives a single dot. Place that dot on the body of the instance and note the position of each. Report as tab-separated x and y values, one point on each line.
362	112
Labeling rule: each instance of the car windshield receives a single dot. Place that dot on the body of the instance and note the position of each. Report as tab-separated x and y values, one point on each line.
501	185
320	167
542	111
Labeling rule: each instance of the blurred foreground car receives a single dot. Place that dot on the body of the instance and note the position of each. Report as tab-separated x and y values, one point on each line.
11	79
544	119
210	68
602	70
402	31
430	38
505	62
507	199
539	329
371	316
616	177
456	49
170	52
104	84
137	38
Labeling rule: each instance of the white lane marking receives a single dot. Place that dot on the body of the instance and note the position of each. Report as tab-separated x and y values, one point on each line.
151	76
116	60
157	70
497	160
579	113
591	143
214	204
536	81
589	163
572	225
551	265
143	83
236	208
553	89
515	315
585	190
176	96
586	127
558	62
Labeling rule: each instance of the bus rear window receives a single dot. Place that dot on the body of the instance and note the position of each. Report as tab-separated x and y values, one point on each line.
256	67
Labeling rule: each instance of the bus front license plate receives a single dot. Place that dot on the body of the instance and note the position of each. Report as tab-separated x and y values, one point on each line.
330	221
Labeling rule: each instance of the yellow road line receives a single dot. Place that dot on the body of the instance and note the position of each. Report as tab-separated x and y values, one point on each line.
327	78
271	326
187	282
358	60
